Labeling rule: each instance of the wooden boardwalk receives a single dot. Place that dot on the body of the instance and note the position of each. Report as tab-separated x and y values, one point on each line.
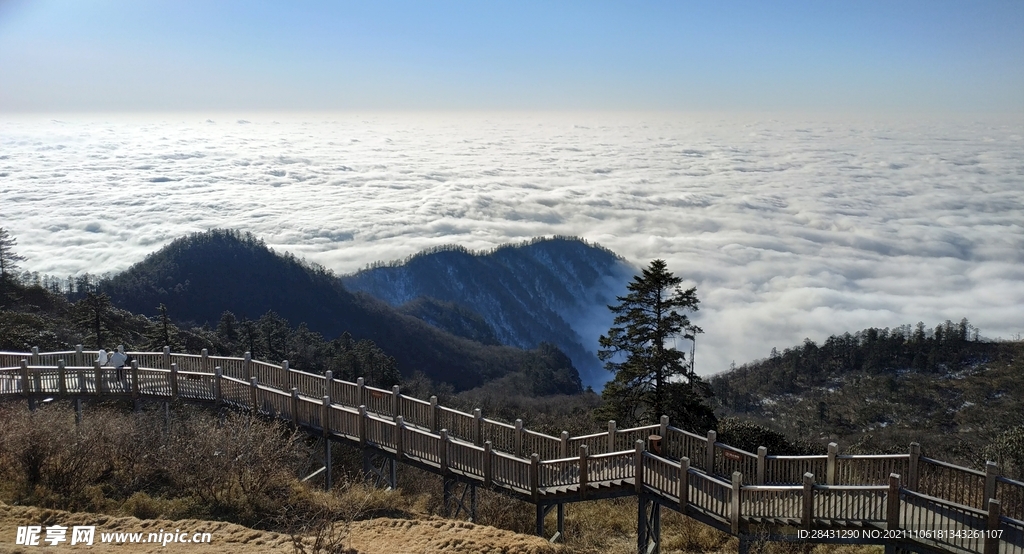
904	501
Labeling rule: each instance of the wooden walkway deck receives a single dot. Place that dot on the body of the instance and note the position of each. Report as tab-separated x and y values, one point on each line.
904	501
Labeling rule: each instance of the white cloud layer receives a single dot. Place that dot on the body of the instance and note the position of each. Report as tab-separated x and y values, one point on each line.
790	227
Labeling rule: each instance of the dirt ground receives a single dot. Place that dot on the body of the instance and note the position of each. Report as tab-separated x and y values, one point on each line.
376	536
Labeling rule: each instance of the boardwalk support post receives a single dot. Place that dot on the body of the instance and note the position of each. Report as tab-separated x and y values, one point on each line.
913	477
542	512
830	467
518	446
709	461
807	505
535	477
992	530
325	424
217	374
399	426
488	447
442	452
684	484
452	498
892	510
25	388
583	472
991	472
254	393
737	489
98	371
295	406
762	454
638	466
136	388
433	414
174	381
362	426
477	426
648	528
62	386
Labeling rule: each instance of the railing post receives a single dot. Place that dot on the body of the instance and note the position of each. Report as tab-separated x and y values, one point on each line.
762	454
737	489
328	379
99	376
399	425
709	461
830	467
913	477
205	364
284	367
807	515
62	386
684	484
25	388
638	466
254	391
611	436
174	381
583	471
247	365
442	451
477	426
360	392
518	438
487	463
325	418
362	425
535	476
136	388
991	472
79	355
433	414
295	406
892	509
992	534
663	433
564	447
167	357
217	374
35	355
396	401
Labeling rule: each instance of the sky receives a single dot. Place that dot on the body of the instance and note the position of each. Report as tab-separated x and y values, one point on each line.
183	55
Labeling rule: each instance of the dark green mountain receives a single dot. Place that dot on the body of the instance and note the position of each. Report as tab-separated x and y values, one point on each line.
880	389
546	290
201	276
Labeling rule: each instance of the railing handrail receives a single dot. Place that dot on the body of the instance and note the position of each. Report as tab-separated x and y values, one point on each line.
1009	481
740	451
872	456
948	465
944	502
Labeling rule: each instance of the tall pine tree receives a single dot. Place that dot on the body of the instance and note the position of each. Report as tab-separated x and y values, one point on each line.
652	377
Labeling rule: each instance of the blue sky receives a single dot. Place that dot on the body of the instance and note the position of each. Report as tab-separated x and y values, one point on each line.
928	56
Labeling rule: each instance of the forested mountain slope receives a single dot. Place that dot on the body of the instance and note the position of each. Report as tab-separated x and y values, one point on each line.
546	290
880	389
200	276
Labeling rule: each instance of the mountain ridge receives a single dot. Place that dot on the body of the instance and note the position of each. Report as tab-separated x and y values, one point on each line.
543	290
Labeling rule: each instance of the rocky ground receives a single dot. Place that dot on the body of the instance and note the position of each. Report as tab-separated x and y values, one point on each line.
375	536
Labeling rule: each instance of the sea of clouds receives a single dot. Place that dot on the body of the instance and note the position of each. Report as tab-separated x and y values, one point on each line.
790	227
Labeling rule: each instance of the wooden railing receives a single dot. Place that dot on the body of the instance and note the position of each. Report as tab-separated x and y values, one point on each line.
690	472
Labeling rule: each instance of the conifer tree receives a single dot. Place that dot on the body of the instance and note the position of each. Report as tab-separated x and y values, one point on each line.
651	376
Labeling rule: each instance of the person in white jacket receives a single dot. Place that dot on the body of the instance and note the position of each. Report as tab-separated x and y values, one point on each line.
117	360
